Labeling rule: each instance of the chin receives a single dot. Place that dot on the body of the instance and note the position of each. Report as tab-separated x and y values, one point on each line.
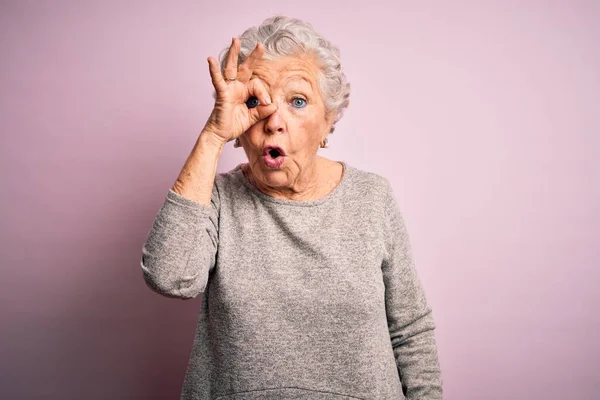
273	177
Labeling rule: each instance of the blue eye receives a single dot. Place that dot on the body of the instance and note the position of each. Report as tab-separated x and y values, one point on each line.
252	102
298	102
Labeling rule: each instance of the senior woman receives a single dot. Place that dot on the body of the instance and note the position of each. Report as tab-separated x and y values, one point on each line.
304	263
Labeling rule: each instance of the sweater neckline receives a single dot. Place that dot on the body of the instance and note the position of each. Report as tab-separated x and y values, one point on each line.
336	192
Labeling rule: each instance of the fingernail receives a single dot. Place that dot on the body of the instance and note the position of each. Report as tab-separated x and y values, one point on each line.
268	100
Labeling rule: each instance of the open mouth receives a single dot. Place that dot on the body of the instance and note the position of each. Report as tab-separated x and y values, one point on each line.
274	153
273	156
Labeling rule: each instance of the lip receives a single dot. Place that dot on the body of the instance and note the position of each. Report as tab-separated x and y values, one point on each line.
270	162
268	148
273	163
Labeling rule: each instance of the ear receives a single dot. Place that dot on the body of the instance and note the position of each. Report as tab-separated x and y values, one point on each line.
329	120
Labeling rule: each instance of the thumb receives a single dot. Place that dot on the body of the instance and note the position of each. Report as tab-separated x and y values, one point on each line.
263	111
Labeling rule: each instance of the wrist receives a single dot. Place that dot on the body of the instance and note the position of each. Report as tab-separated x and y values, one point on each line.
212	140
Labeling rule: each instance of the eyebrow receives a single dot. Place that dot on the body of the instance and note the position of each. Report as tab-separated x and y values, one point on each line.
292	78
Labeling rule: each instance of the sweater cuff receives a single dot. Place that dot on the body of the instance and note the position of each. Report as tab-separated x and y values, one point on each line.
179	201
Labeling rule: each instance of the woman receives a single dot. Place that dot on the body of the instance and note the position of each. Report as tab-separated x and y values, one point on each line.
309	289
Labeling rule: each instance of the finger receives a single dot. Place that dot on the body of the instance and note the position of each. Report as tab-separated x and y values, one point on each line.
262	112
231	67
244	73
246	68
215	75
257	88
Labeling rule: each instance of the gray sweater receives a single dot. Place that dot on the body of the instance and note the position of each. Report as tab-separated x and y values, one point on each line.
301	300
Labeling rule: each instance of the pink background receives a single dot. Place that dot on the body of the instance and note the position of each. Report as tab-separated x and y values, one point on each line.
483	114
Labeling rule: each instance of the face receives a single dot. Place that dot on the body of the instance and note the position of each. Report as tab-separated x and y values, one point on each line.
297	127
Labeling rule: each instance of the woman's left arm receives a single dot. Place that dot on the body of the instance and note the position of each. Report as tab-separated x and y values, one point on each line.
409	316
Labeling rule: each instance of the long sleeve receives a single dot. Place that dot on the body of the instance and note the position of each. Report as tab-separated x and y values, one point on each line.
409	316
181	246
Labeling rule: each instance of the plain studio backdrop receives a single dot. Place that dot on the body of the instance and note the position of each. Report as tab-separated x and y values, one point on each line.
484	115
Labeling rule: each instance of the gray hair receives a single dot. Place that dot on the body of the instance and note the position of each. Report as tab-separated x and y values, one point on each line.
283	36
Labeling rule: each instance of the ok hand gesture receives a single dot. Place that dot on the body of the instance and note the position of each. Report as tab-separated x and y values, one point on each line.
240	101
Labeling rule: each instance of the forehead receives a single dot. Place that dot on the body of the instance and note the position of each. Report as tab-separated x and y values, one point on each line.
283	71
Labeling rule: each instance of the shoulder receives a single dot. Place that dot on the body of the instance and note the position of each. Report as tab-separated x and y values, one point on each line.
233	187
369	184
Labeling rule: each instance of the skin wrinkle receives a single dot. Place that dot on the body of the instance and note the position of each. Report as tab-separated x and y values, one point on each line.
299	131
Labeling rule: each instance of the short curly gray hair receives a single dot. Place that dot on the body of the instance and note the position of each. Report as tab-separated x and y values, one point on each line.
284	36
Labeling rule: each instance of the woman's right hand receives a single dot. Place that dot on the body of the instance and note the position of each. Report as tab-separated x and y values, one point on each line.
231	116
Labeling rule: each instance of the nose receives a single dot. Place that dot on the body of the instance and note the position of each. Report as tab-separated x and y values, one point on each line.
275	123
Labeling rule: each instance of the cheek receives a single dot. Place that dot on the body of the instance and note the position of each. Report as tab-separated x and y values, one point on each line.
313	124
303	130
251	138
254	133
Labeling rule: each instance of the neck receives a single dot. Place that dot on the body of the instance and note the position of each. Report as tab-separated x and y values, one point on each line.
308	185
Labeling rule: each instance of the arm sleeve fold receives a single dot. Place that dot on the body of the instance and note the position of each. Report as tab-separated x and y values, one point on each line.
180	250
